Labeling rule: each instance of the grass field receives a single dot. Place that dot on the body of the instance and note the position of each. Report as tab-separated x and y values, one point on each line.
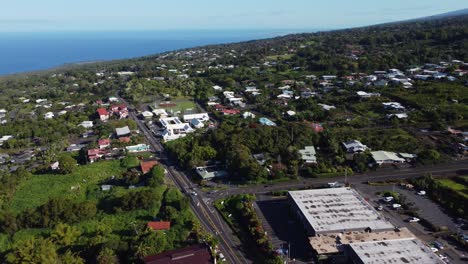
84	179
279	57
458	187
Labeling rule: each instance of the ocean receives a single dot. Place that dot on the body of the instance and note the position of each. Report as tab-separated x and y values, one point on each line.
25	52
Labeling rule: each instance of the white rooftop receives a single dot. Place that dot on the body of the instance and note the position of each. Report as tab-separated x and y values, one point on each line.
308	154
338	210
404	251
122	131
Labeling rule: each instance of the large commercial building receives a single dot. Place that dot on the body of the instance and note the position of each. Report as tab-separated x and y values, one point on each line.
344	228
405	251
335	210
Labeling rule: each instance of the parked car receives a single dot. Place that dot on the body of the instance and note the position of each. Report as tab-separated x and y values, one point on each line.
421	193
413	219
388	199
380	207
396	206
434	249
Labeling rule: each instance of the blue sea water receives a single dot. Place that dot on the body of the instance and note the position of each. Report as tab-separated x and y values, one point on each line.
24	52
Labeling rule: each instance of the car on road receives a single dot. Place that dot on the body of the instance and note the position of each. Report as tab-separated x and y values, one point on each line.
396	206
421	193
194	193
434	249
438	245
413	220
380	207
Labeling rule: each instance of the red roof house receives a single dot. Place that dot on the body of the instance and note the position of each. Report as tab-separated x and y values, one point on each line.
103	114
125	139
104	143
230	111
196	254
159	225
146	166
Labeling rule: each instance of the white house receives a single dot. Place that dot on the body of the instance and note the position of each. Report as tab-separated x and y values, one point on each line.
308	155
354	146
246	115
147	114
363	94
161	113
86	124
49	115
202	117
174	128
386	157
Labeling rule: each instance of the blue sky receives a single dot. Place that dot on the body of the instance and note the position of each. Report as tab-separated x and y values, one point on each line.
125	15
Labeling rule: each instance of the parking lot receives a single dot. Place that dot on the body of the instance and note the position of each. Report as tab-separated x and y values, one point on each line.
427	210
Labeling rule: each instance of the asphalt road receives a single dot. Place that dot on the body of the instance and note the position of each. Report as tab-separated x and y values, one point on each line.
440	170
229	244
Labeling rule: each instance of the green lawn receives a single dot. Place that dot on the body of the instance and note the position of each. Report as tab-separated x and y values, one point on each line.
458	187
42	187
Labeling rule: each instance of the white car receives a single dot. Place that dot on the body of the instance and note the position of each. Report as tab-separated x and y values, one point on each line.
421	193
194	193
380	207
434	249
413	219
388	199
396	206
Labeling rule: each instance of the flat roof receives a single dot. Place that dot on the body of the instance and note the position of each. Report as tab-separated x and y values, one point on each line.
338	210
330	243
405	251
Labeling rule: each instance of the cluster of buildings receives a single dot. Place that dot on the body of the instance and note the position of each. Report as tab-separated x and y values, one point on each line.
119	110
344	228
174	128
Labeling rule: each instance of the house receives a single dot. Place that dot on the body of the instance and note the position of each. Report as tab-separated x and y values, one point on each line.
161	113
174	128
308	155
125	139
155	226
317	127
106	187
260	158
120	111
113	99
202	117
86	124
386	157
147	115
75	147
363	94
267	122
196	254
95	154
210	172
138	148
49	115
146	166
123	131
393	105
327	107
104	143
217	88
103	114
290	113
354	146
196	123
246	115
55	166
230	111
